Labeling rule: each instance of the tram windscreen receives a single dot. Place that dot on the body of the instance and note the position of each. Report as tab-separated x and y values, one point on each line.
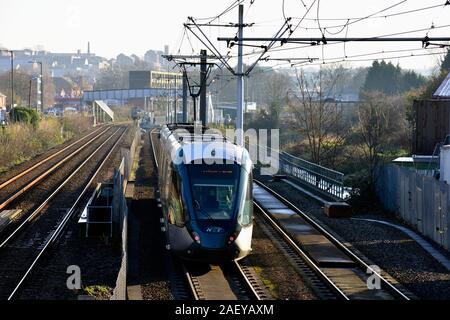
214	189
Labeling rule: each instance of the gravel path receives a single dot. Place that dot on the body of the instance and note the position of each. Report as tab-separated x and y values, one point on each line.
392	250
147	255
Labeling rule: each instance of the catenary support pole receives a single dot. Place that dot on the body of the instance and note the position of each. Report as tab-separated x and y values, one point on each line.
240	82
185	101
203	71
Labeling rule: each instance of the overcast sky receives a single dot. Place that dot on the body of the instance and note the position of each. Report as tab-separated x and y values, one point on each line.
134	26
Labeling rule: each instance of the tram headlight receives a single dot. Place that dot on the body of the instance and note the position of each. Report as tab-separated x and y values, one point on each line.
196	237
232	238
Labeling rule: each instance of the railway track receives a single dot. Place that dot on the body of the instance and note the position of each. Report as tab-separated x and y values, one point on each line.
332	270
37	182
222	282
28	243
45	161
230	281
19	184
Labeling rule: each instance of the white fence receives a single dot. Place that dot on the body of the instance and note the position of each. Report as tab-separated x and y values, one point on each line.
321	178
420	200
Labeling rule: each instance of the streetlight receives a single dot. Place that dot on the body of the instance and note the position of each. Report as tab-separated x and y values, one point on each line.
42	84
11	52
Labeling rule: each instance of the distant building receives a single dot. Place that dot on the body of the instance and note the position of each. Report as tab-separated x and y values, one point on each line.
2	100
139	79
250	106
154	59
169	80
64	87
124	60
154	79
58	64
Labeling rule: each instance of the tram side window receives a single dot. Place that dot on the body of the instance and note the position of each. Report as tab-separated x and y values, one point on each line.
176	212
245	217
163	176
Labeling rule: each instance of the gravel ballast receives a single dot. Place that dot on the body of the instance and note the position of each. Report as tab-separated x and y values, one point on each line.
274	270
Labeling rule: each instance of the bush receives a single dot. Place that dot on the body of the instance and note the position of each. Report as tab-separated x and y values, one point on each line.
23	140
24	115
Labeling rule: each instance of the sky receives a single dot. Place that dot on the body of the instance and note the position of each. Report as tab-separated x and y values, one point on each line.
134	26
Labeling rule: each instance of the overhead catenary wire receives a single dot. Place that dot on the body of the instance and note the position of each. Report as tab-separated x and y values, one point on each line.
228	9
376	16
352	20
271	46
342	60
304	16
210	46
309	44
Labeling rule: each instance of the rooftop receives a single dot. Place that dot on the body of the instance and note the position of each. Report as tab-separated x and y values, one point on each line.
444	89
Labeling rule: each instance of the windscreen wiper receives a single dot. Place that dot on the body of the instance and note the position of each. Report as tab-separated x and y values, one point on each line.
205	213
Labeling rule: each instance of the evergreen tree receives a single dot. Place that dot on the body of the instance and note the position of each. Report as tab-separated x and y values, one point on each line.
445	65
391	80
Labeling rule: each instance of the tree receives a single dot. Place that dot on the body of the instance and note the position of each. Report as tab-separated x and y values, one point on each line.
445	63
410	80
22	87
112	78
381	121
25	115
391	80
275	90
435	80
317	117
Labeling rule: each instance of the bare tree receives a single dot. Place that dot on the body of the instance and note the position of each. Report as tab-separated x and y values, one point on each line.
318	117
381	125
22	87
276	87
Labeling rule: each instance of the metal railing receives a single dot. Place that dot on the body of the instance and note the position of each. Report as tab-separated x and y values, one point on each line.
321	178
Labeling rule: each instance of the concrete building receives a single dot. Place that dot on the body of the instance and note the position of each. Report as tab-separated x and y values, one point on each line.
154	59
139	79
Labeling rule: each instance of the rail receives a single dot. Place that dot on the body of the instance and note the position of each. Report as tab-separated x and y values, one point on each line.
334	279
58	231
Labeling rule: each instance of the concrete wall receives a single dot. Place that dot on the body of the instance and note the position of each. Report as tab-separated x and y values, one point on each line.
120	213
